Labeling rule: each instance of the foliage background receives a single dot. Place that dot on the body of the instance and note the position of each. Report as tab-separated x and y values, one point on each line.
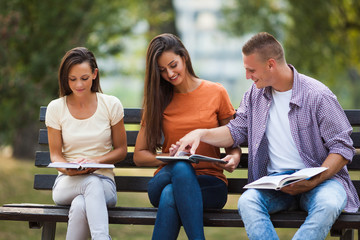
36	34
321	39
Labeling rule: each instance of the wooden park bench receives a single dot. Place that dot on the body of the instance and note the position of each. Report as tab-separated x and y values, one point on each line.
46	216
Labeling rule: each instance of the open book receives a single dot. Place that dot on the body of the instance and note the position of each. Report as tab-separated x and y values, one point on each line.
279	181
79	166
185	156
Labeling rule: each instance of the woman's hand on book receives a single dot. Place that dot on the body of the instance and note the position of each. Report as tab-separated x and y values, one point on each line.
74	172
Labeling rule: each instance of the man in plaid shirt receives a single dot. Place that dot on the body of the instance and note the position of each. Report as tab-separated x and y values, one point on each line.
291	122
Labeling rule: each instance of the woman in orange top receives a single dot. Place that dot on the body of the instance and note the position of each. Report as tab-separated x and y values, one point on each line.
176	102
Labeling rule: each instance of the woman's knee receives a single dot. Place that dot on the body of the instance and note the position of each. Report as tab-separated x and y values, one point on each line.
110	192
156	186
93	185
183	171
183	167
78	207
167	197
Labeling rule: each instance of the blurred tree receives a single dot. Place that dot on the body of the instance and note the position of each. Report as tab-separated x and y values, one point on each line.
34	35
321	38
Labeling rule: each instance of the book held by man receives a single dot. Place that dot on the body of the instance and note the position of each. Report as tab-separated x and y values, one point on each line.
279	181
79	166
185	156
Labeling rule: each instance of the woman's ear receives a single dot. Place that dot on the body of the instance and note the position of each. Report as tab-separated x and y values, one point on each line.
185	59
95	73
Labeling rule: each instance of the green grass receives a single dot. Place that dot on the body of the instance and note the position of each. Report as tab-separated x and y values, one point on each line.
16	180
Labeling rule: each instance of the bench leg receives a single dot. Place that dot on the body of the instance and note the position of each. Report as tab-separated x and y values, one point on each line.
348	234
48	232
343	234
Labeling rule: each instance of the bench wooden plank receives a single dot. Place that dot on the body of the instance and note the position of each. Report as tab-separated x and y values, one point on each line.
42	159
130	136
139	183
353	116
123	183
131	115
147	216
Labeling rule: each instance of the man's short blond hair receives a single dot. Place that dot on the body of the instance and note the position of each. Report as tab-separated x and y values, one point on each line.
266	46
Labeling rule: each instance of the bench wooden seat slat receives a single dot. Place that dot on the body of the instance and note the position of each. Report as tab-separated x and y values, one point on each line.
147	216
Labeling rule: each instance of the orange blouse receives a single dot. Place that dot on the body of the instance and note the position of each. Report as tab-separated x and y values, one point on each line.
202	108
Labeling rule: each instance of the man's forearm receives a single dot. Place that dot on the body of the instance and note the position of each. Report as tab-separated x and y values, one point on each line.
334	162
219	137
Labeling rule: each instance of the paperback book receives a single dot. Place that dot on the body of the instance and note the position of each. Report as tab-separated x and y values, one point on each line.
79	166
185	156
279	181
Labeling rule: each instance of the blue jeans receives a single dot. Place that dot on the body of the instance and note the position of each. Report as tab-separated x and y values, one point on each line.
181	196
323	204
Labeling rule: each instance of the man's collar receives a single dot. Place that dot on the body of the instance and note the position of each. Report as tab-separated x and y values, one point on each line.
296	96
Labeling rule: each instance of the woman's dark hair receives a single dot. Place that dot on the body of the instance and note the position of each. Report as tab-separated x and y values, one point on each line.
158	92
72	57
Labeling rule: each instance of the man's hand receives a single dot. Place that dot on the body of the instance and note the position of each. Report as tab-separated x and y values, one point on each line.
173	149
334	162
190	141
299	187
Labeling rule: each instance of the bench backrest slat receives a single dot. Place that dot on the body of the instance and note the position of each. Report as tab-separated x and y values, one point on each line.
132	115
130	136
354	117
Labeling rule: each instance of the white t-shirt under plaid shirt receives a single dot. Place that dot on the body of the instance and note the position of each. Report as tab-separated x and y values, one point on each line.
86	138
318	126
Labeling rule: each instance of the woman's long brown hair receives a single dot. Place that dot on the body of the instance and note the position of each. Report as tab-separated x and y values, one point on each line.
158	92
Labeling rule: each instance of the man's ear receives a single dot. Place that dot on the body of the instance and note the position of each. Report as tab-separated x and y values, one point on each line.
271	63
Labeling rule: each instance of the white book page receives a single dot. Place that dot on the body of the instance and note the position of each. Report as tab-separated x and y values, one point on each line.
309	172
267	182
278	181
78	166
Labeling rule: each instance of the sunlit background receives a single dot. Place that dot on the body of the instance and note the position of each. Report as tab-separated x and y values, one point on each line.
321	39
216	56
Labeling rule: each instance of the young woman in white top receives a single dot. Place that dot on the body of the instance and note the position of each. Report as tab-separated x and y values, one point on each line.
85	125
